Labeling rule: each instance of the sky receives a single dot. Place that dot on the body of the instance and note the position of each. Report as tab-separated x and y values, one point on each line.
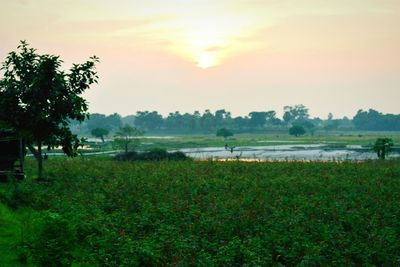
242	55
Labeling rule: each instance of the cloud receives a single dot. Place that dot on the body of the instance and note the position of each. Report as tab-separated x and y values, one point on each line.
106	26
214	49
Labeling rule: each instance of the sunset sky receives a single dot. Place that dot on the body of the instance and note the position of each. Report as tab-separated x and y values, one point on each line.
242	55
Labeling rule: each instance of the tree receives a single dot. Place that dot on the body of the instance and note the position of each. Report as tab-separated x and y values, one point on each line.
373	120
257	119
110	122
100	133
294	113
297	130
96	120
38	99
127	137
307	125
382	147
149	121
224	133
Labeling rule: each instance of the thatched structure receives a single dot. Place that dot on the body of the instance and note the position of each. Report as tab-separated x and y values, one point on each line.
12	152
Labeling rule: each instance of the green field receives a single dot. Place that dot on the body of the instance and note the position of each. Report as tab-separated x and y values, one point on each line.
98	212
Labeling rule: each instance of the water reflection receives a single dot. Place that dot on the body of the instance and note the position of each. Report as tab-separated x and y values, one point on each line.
313	152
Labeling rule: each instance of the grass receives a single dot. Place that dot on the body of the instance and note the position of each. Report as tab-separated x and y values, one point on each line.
11	236
222	213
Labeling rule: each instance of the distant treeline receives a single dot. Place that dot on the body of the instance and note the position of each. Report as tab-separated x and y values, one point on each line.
255	122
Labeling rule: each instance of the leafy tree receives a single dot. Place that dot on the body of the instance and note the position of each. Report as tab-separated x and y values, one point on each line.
129	120
382	147
295	113
110	122
373	120
240	122
257	119
113	121
174	121
127	137
297	130
208	121
100	133
224	133
96	120
148	121
307	125
38	99
222	118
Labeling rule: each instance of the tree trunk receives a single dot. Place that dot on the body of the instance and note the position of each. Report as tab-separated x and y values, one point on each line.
38	156
40	162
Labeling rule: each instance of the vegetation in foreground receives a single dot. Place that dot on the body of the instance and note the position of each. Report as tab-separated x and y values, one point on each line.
100	212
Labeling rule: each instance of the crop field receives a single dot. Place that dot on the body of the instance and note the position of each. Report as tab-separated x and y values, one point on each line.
99	212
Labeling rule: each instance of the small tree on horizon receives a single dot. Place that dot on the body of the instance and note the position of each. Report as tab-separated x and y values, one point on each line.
297	130
127	137
38	99
224	133
100	133
382	147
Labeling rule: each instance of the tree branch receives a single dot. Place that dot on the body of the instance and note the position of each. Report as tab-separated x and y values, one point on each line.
34	151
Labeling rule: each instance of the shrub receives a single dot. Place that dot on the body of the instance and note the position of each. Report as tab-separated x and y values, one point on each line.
382	147
156	154
54	242
224	133
297	130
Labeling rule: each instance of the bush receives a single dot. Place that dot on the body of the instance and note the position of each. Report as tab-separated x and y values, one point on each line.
224	133
53	243
382	147
297	130
18	194
156	154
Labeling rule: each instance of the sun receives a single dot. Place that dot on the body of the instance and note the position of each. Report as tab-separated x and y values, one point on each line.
205	60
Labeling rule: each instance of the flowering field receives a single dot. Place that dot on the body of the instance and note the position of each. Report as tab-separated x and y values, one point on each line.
98	212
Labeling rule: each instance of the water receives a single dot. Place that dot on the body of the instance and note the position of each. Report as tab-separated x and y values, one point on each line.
315	152
297	152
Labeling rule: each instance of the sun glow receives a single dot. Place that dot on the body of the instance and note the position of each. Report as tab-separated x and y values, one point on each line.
206	60
207	41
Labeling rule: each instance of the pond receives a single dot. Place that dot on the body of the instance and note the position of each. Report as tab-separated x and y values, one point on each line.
298	152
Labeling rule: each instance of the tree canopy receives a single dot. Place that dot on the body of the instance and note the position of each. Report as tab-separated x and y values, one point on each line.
127	137
224	133
383	146
297	130
38	99
100	133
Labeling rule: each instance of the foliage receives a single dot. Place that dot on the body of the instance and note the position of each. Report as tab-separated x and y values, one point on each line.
255	122
224	132
295	113
110	122
148	120
100	133
297	130
11	237
227	213
38	99
127	137
53	243
383	146
373	120
152	155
